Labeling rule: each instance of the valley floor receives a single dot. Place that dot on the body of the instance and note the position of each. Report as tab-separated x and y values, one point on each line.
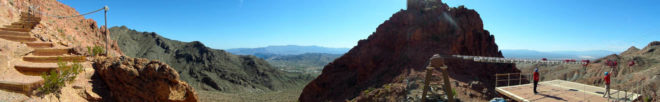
284	95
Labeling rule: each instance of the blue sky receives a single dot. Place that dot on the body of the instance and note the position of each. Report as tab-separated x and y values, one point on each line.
552	25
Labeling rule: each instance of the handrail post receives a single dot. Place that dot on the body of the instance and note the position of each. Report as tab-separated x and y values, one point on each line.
508	79
107	32
496	80
520	78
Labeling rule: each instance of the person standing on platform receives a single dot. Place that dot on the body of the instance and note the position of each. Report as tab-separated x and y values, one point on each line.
607	85
536	79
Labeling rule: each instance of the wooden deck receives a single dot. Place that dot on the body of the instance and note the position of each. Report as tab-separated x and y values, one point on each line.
560	90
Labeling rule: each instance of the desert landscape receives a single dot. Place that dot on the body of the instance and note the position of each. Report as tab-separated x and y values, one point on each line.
320	51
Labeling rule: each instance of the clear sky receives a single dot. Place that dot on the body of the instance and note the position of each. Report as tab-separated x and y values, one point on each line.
551	25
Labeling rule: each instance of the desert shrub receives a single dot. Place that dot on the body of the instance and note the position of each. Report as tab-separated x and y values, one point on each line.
96	50
453	92
368	90
55	80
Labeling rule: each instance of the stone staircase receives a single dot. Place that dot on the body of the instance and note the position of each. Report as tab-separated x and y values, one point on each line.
43	59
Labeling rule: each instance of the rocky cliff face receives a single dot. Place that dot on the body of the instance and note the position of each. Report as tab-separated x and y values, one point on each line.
404	43
138	79
206	68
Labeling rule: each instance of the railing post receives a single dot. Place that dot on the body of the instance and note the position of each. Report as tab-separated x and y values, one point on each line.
520	78
508	79
107	32
496	80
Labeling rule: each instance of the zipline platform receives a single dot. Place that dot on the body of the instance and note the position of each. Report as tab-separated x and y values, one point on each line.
560	90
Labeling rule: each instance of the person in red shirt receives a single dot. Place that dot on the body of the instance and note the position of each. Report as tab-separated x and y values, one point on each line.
536	79
607	85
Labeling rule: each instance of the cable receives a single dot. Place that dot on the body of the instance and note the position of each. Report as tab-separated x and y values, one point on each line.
32	8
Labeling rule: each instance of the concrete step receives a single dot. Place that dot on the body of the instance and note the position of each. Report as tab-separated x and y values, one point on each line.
39	44
21	86
53	59
18	38
7	31
18	26
35	69
16	29
25	23
12	33
51	51
29	17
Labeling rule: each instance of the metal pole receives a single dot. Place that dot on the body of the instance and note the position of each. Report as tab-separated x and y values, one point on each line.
508	79
107	32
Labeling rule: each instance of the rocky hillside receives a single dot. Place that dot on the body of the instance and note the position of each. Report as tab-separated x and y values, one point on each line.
206	68
402	46
643	75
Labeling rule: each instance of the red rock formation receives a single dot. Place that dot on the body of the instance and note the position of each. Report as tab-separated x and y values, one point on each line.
141	80
405	42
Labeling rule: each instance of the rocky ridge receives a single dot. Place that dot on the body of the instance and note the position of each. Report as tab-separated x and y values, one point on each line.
402	46
205	68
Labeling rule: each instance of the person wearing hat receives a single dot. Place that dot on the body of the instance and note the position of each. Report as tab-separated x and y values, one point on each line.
536	79
607	85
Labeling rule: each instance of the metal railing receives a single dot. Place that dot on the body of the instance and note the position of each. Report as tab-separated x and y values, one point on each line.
507	77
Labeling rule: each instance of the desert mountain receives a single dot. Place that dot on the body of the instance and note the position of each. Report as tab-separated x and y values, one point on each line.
205	68
287	50
643	75
401	47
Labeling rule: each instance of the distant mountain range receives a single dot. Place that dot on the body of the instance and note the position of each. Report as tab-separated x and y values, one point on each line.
205	68
295	58
509	53
287	50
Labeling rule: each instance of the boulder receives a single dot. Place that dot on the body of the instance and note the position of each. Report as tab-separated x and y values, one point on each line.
141	80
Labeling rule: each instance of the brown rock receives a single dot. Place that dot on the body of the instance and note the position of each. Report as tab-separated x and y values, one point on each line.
141	80
406	42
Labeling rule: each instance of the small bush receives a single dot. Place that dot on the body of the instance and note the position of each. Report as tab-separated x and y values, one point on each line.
96	50
368	90
55	80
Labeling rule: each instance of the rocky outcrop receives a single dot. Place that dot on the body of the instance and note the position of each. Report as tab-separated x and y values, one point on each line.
405	42
630	51
138	79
